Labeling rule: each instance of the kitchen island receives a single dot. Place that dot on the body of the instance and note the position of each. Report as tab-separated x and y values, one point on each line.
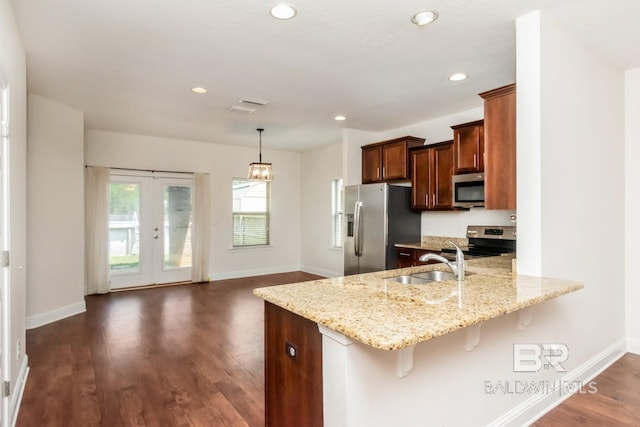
370	326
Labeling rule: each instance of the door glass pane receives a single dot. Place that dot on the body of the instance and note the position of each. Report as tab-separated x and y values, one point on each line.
177	226
124	226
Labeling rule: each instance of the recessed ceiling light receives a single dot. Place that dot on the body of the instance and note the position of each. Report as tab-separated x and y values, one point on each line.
340	118
282	11
198	90
425	17
458	77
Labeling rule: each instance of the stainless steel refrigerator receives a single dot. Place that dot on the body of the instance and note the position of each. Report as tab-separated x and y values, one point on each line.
377	216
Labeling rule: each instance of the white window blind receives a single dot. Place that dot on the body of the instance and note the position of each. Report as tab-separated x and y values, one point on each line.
337	213
250	213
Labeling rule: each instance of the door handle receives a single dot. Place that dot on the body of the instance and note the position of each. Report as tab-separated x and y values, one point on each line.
356	233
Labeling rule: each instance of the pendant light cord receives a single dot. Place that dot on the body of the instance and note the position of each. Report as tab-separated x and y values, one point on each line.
260	130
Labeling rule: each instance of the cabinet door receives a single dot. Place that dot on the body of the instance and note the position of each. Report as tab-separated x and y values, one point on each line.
420	178
293	379
404	257
371	164
500	172
441	172
394	161
468	148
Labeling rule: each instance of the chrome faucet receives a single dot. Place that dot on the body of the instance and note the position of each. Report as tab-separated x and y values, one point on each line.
457	269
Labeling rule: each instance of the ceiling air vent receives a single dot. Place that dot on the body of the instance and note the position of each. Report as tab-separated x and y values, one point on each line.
254	101
241	109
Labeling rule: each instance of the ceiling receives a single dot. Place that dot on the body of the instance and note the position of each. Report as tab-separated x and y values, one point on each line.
130	65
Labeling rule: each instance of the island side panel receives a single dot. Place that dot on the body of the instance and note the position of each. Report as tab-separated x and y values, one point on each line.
293	384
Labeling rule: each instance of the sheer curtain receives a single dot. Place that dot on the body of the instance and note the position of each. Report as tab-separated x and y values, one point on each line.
97	229
201	235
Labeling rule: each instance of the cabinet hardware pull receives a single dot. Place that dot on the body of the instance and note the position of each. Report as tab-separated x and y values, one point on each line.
404	254
475	161
433	198
378	173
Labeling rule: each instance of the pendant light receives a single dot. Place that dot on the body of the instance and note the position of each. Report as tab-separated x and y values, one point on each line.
260	171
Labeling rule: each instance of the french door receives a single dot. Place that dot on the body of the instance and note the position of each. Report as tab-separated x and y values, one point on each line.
150	225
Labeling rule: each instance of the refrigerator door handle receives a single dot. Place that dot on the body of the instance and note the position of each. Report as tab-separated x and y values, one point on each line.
356	232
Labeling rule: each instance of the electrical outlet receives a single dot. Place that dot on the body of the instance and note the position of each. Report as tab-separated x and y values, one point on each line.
290	350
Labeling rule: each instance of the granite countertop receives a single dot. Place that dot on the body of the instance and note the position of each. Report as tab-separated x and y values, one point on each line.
388	315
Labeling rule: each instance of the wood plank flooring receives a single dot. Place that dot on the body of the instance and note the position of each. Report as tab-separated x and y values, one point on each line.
616	402
190	355
193	355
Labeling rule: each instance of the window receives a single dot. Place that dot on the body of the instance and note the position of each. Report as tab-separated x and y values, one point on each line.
337	213
250	213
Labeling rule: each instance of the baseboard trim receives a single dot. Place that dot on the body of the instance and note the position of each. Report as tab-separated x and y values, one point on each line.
633	345
55	315
254	272
535	407
320	271
18	390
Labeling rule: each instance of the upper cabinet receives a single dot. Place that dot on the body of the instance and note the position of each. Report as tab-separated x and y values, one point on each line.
468	147
500	147
388	160
431	171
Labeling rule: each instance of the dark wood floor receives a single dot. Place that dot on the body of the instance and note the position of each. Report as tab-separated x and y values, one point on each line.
616	401
192	355
187	355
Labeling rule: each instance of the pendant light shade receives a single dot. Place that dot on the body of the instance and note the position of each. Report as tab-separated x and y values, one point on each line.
260	171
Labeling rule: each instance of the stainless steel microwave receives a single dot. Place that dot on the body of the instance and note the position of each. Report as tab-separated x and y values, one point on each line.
468	190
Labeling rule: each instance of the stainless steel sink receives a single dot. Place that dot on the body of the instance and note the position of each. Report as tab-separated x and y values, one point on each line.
423	278
434	276
409	280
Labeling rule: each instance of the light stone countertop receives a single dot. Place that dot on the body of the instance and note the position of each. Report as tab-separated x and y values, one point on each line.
388	315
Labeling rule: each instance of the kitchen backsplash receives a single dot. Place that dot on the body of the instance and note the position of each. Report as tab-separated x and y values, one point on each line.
442	241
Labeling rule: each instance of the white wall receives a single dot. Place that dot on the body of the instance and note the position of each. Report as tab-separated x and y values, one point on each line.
352	140
223	163
528	144
578	202
632	193
582	187
55	221
319	168
13	74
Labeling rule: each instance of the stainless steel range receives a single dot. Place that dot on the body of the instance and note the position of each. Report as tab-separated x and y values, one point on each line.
487	240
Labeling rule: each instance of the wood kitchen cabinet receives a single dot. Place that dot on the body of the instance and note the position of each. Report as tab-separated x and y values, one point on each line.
500	147
388	160
410	257
405	257
293	369
468	147
431	171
